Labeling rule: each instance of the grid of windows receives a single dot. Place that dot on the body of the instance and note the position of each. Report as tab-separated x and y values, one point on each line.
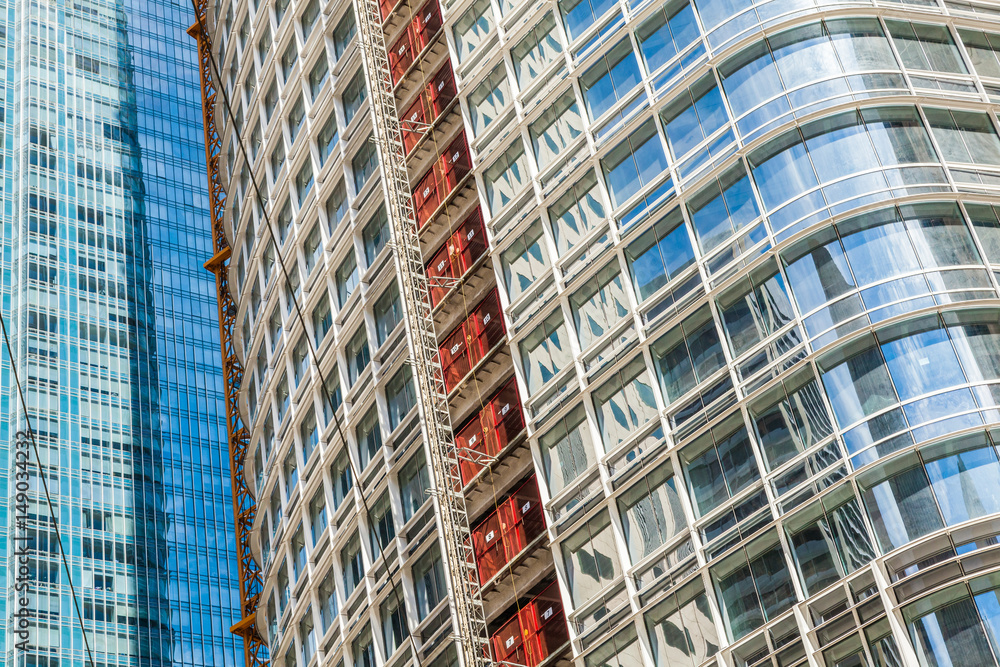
315	446
114	334
741	298
742	326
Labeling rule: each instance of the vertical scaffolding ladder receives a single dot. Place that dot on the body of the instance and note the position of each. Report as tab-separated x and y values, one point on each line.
467	612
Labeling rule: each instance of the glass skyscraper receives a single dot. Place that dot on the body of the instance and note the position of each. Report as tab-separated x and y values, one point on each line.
115	338
716	289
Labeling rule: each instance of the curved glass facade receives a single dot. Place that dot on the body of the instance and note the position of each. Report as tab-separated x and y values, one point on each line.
747	260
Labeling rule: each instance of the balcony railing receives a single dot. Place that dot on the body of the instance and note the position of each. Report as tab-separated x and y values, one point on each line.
486	434
469	344
458	254
537	630
508	531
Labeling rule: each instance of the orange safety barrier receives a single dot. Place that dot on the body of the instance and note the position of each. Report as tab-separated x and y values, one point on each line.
456	256
472	340
538	629
441	179
507	531
499	422
438	94
418	35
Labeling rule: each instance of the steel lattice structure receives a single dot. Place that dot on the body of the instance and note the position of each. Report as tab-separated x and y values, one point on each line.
466	599
244	504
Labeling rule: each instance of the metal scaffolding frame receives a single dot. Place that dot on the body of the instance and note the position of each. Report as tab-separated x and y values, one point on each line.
244	504
466	599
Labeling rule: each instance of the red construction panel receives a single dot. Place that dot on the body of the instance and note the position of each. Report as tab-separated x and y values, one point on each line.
543	623
517	521
534	632
486	326
427	22
411	120
385	7
429	193
521	518
456	161
440	180
487	542
492	429
401	54
508	643
442	88
455	358
428	107
470	342
507	416
457	255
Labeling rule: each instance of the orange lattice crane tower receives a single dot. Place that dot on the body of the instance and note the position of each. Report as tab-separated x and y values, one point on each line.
244	504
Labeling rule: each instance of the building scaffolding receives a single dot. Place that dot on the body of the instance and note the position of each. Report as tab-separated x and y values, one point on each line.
466	599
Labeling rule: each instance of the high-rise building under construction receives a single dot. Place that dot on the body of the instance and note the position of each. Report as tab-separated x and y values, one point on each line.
612	332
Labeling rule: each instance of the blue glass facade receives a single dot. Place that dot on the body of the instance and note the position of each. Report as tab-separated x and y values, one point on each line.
115	336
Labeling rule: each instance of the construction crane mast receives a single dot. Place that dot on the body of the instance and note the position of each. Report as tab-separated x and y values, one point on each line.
466	599
244	504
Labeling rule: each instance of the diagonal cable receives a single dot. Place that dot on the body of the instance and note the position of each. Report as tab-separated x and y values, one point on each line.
45	487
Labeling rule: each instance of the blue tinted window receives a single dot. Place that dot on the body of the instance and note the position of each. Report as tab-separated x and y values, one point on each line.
880	252
754	310
694	116
659	254
506	177
719	468
753	585
783	171
819	276
714	12
576	213
545	351
599	305
364	164
524	261
922	362
357	355
964	482
581	14
624	404
369	436
722	208
688	354
859	386
634	163
750	78
614	75
666	33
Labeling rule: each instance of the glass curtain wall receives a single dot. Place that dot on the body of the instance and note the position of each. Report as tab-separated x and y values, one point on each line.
753	318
